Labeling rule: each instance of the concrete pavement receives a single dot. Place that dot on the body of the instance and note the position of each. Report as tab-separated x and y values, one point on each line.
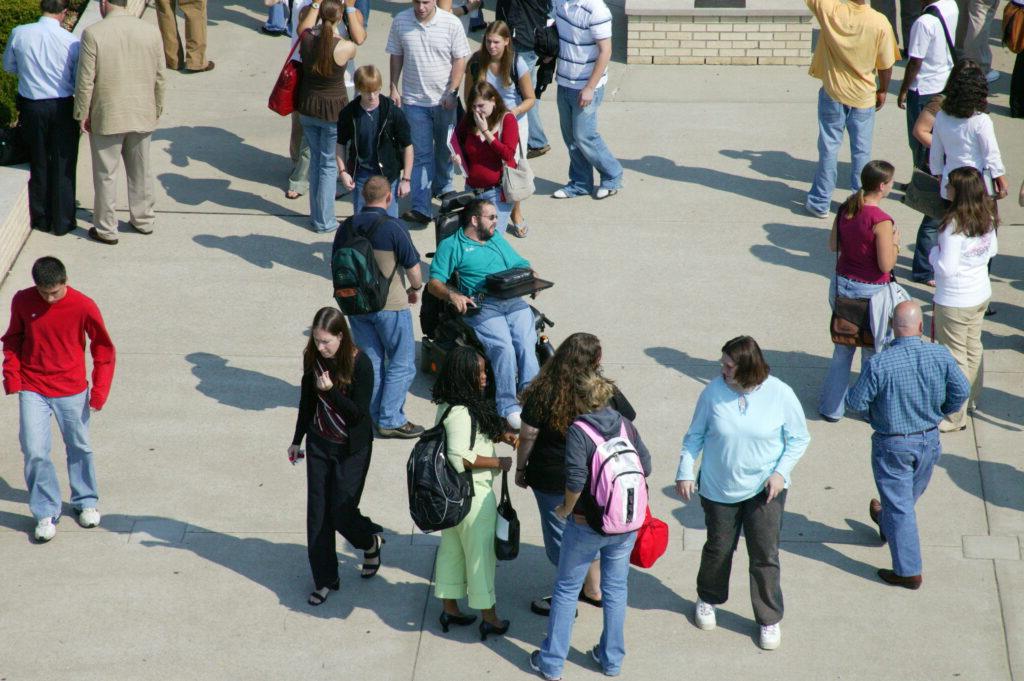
199	568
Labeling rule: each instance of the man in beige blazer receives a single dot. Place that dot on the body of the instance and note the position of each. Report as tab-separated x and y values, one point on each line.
119	96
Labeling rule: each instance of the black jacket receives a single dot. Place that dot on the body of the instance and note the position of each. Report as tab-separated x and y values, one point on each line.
523	17
393	136
353	403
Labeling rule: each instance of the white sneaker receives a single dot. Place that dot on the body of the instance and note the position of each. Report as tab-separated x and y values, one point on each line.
560	194
771	636
45	530
704	615
992	76
88	517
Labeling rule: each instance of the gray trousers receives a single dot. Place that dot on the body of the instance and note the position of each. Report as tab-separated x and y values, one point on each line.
107	153
909	11
761	523
979	18
298	149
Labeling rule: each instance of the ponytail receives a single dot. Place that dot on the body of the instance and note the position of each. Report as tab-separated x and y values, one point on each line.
853	204
872	177
330	15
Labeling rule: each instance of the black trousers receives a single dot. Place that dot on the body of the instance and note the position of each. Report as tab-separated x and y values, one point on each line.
335	476
51	134
761	523
1017	88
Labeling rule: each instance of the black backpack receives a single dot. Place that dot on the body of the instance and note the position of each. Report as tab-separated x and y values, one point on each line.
359	285
439	496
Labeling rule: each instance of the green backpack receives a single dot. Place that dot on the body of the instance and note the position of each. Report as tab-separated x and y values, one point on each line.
359	285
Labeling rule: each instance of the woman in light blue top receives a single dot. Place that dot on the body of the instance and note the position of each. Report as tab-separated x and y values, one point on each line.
751	430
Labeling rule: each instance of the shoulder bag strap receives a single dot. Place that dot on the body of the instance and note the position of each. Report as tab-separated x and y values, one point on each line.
369	237
949	40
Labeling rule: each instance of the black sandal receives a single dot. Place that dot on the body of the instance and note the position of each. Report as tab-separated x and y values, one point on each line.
370	569
315	597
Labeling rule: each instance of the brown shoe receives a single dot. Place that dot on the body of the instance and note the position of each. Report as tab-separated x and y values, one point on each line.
875	511
95	236
209	67
890	577
534	152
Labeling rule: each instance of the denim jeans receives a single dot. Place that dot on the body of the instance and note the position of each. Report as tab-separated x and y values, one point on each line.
432	164
902	466
504	207
322	137
587	150
580	546
537	138
72	415
387	339
551	525
837	381
833	119
360	178
506	330
276	22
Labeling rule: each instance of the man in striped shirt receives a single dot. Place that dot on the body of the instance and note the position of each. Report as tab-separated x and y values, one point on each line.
584	50
428	51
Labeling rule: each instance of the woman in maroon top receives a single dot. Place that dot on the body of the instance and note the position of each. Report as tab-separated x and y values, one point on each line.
867	243
334	417
486	136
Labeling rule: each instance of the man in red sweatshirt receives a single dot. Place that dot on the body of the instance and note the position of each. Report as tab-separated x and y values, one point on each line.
44	362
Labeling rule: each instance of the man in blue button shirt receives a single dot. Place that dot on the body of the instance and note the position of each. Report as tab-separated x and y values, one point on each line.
906	390
44	56
504	327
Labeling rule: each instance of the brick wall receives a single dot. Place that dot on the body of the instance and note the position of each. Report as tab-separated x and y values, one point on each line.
718	39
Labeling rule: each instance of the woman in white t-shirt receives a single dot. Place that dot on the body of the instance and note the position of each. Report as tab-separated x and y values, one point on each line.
967	241
497	63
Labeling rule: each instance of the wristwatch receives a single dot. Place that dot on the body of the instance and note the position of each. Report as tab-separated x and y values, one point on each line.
315	5
406	179
413	289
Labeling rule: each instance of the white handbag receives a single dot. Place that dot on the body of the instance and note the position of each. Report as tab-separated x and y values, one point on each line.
517	183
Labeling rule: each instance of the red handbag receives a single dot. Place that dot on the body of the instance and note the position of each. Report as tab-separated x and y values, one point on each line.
651	542
285	94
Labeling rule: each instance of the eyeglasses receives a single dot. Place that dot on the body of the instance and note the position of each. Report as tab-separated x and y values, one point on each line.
492	216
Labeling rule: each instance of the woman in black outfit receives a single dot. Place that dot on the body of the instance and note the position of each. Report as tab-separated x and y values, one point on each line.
334	417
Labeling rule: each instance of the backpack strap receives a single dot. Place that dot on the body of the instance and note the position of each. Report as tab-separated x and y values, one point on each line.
945	29
589	431
369	237
472	424
515	73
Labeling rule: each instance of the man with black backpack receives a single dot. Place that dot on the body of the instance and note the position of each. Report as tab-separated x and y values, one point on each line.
370	250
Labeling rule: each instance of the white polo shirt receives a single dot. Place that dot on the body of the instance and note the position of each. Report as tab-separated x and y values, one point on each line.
428	50
581	23
928	43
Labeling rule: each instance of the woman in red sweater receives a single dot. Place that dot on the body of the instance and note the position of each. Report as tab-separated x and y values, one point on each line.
485	137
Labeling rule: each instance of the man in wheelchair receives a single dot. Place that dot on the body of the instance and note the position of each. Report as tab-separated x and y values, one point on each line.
504	326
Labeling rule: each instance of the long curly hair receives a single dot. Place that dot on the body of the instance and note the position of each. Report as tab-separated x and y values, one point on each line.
967	92
458	384
972	212
555	387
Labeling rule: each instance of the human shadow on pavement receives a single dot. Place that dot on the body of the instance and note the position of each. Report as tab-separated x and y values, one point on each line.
781	165
192	191
995	483
240	388
799	248
225	151
265	251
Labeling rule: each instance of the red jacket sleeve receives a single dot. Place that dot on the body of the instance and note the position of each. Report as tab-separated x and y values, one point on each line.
505	144
12	350
103	356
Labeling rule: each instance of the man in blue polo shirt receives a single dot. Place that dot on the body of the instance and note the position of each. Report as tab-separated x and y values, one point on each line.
386	336
905	390
504	327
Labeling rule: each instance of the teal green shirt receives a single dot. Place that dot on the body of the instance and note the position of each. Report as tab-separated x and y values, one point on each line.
473	260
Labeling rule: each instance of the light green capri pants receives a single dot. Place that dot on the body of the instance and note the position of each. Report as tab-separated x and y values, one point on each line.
465	562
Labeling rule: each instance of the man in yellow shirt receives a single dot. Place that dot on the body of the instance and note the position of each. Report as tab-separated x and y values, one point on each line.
856	42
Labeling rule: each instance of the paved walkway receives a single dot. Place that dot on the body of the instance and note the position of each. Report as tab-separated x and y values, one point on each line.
199	569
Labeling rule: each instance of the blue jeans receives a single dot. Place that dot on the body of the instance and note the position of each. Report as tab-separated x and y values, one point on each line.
72	415
837	381
833	119
321	136
902	466
506	330
580	546
587	150
537	137
387	339
431	164
504	207
550	524
360	178
276	22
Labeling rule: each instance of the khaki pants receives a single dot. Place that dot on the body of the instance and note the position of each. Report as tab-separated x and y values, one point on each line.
193	54
298	181
980	14
107	151
959	329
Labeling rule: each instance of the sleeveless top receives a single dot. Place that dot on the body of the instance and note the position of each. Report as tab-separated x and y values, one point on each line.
321	97
858	259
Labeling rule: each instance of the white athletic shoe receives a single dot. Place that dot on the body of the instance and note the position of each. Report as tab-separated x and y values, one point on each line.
771	636
515	420
992	76
88	517
45	530
704	615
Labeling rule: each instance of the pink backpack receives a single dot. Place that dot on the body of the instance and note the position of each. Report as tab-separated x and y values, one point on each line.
617	481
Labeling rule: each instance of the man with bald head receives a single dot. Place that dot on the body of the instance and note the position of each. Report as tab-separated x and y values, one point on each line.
906	390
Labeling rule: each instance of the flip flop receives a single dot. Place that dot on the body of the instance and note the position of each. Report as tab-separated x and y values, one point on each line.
518	231
596	602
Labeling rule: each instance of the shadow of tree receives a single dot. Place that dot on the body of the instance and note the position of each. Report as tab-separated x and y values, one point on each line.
240	388
265	251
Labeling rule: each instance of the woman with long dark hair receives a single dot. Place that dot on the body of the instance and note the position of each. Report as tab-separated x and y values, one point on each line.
550	405
867	242
486	137
967	242
334	418
466	560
